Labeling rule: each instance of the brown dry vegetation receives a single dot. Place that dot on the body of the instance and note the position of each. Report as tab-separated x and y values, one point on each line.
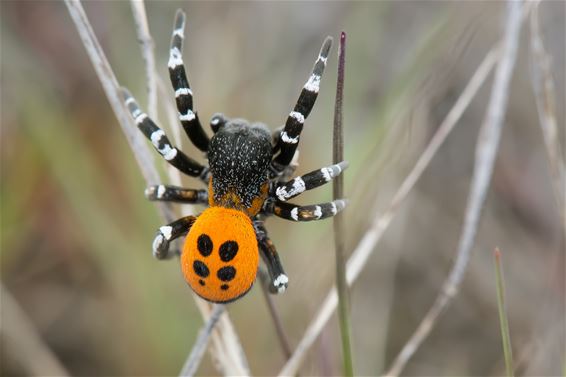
76	230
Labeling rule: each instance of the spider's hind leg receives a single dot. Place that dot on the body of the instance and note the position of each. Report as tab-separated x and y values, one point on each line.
278	280
168	233
176	194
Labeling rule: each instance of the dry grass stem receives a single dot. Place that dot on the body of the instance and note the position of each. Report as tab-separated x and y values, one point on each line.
338	222
281	335
23	341
381	221
110	85
238	363
486	150
227	353
111	88
544	90
147	47
227	349
195	356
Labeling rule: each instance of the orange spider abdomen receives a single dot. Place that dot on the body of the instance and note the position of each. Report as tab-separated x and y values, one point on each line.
220	256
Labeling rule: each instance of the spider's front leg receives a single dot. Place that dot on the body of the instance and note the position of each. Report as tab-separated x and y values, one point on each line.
278	279
288	139
168	233
183	93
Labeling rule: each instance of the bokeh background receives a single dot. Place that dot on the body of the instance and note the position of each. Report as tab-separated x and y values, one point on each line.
76	230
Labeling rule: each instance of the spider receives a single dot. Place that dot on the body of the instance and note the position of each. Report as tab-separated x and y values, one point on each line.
248	179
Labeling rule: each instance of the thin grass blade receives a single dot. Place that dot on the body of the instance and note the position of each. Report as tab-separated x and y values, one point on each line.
503	318
338	193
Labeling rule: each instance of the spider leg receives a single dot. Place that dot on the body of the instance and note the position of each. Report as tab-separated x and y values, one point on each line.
287	190
291	133
286	172
183	93
218	121
160	141
276	140
168	233
289	211
278	279
176	194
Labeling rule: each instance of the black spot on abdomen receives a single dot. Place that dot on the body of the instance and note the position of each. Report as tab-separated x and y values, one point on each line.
224	287
226	273
204	245
228	250
200	269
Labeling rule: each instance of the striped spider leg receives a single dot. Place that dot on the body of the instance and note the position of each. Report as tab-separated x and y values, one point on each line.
177	159
289	211
191	125
161	142
180	227
283	191
278	280
176	194
276	205
170	232
288	139
249	176
183	93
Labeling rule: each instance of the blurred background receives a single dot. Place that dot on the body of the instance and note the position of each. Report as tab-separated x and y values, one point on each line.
76	230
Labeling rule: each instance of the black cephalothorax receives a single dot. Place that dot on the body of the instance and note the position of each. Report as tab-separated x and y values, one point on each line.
248	179
239	155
